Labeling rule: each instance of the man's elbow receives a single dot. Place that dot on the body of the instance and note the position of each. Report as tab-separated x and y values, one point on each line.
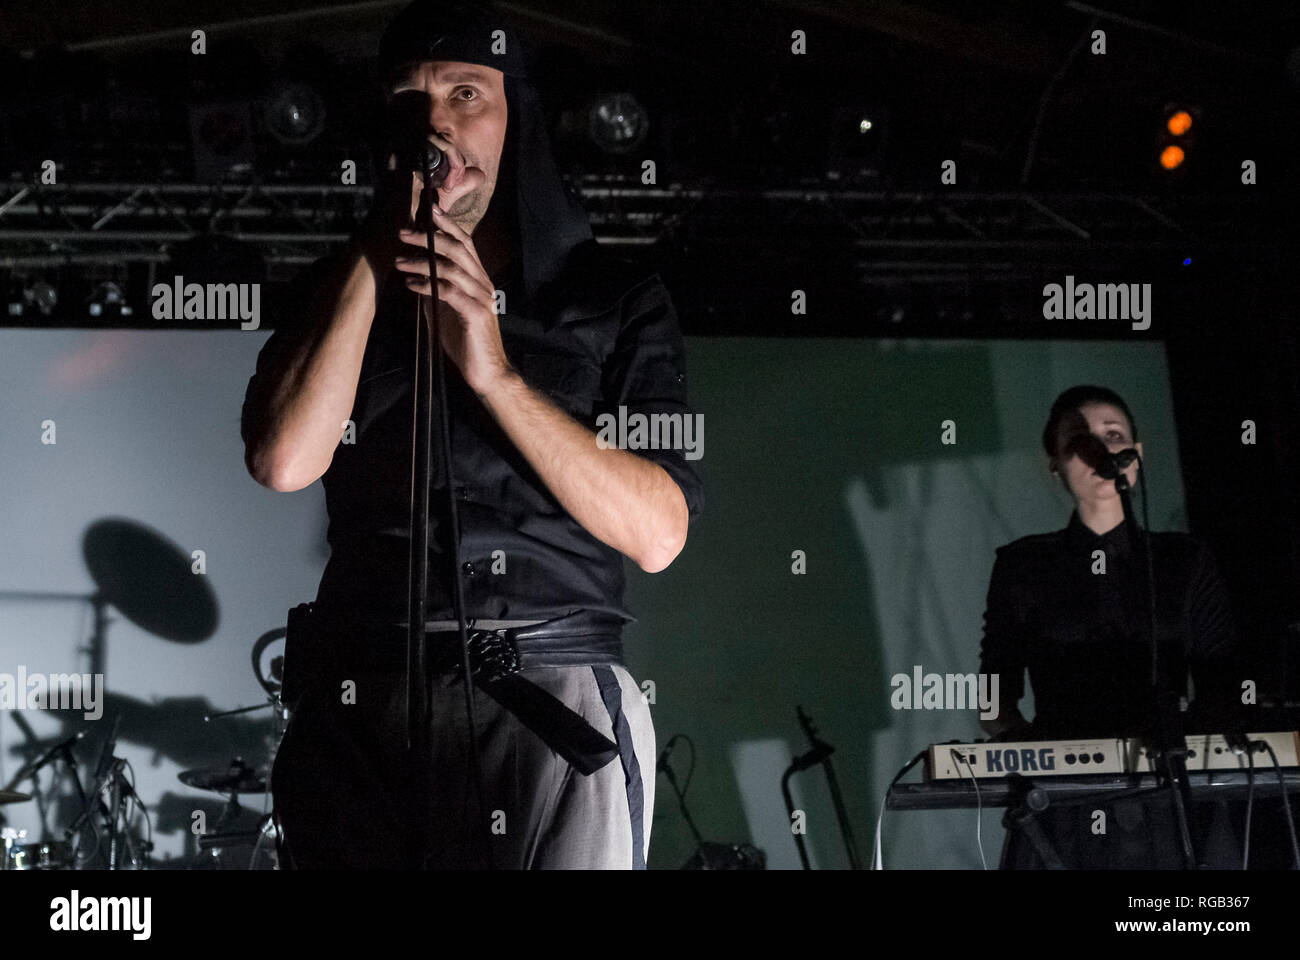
660	559
669	545
277	472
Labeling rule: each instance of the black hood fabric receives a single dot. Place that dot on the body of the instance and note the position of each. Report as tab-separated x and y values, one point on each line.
551	223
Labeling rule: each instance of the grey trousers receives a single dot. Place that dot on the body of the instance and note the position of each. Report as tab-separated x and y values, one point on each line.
348	795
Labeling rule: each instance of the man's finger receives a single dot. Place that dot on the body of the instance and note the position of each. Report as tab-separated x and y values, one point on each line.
445	222
418	271
454	250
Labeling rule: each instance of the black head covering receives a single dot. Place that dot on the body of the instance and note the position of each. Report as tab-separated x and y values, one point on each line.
551	222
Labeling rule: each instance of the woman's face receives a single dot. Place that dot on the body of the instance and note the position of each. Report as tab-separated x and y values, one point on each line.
1109	425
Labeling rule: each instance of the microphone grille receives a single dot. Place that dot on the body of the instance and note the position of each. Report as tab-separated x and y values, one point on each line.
433	160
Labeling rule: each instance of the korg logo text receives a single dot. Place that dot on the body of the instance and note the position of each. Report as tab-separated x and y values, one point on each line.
1016	761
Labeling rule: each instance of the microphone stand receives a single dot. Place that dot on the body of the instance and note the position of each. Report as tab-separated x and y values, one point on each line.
61	749
1169	738
819	754
428	341
106	771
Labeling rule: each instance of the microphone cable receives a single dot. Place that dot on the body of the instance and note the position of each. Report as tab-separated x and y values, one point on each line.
878	859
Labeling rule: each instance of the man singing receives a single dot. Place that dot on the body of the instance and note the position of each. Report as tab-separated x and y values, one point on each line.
543	332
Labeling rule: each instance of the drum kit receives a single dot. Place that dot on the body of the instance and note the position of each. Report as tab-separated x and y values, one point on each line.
20	855
220	848
148	579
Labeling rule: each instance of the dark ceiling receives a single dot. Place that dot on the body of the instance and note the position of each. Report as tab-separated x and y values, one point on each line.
959	80
1016	34
1011	91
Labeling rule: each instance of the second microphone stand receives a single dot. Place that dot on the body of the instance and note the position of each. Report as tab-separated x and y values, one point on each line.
1170	741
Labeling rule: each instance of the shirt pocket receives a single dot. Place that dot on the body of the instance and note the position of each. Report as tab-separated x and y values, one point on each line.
572	382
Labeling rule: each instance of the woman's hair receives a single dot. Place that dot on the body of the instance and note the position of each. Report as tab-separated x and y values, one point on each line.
1066	418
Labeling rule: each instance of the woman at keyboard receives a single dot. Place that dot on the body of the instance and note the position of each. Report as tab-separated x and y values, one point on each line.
1069	608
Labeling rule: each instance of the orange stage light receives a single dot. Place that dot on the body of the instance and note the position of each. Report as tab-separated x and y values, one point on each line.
1179	123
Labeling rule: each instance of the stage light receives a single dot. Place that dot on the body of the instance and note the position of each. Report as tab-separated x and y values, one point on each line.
15	301
108	301
294	113
1177	139
44	296
1179	123
27	297
617	123
854	139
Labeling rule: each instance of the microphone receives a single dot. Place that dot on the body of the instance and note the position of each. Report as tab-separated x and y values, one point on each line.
46	757
1098	456
432	164
421	155
1119	462
408	131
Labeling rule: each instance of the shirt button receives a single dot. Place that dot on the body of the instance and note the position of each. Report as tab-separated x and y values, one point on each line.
468	569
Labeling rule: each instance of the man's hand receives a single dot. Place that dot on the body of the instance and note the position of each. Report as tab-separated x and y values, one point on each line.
397	199
471	333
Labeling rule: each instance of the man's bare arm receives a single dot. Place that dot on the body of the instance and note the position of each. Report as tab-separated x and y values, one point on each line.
618	497
296	416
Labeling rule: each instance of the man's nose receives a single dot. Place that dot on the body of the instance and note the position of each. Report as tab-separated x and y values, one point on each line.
442	122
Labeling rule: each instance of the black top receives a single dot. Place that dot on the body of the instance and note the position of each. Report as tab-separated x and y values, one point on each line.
605	335
1080	633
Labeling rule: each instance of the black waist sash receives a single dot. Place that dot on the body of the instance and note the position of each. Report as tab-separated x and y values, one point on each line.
496	657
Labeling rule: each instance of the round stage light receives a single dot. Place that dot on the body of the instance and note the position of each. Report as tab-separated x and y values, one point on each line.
1179	123
617	123
294	113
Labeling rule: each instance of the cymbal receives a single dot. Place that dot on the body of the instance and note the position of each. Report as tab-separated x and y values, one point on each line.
235	778
148	578
13	796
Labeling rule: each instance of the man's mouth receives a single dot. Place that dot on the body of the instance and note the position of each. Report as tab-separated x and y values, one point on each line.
455	173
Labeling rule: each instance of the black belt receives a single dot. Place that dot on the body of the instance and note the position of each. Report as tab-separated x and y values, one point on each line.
496	657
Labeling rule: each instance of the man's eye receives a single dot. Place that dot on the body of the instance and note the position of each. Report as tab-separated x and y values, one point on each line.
469	90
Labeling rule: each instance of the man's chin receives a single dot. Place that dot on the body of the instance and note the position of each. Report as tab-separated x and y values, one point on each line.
466	211
460	202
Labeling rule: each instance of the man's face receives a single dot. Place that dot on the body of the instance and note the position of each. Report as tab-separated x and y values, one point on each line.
467	114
